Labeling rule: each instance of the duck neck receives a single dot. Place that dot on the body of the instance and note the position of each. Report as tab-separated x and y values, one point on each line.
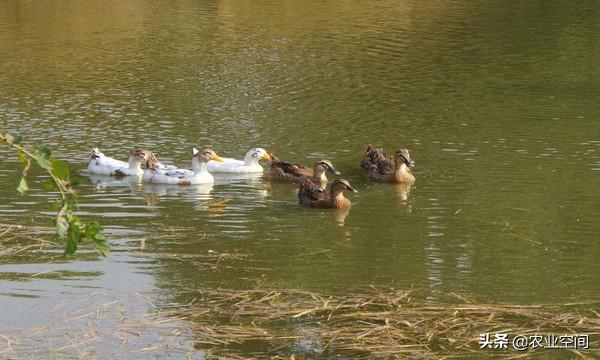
199	167
337	192
319	174
401	167
339	200
250	160
134	164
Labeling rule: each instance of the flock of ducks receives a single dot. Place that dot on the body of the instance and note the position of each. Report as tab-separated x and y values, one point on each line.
312	191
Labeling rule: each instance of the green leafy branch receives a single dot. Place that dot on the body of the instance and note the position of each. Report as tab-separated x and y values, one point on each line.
69	227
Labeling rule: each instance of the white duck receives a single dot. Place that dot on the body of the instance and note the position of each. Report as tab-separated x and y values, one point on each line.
198	175
248	165
101	164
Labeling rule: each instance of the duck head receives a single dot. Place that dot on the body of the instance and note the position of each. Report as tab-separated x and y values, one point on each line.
323	166
148	157
95	153
203	156
256	154
339	185
137	157
403	157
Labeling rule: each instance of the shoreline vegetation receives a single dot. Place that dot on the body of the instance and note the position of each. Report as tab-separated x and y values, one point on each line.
69	227
293	323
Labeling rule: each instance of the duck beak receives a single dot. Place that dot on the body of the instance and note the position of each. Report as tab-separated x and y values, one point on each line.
352	189
266	157
332	170
410	163
217	158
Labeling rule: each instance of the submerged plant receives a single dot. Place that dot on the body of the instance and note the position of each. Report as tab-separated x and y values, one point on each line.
69	227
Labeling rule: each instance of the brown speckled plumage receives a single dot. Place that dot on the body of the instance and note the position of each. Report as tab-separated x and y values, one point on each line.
381	167
315	196
297	173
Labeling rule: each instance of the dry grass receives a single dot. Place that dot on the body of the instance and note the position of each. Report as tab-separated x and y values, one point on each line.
17	239
370	324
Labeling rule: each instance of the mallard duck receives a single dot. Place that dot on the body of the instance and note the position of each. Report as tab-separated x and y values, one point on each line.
248	165
312	195
101	164
298	173
381	167
198	175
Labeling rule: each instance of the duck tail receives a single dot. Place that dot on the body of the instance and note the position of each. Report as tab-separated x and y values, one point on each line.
365	163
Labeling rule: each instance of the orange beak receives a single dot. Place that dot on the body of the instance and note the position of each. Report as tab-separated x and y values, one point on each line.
217	158
266	157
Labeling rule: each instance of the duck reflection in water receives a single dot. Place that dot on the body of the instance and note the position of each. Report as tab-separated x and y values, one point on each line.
102	182
153	192
340	215
402	191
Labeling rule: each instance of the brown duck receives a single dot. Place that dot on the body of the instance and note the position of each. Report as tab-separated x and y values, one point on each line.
298	173
315	196
381	167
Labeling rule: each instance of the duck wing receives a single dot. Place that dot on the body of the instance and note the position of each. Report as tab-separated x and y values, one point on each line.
289	170
382	170
312	195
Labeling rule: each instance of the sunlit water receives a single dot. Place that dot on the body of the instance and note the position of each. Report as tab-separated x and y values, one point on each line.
498	104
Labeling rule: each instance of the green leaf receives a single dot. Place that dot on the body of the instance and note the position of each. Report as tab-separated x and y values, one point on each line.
49	185
60	168
42	150
71	247
102	246
62	222
22	188
23	158
42	155
55	205
43	162
75	180
9	138
91	230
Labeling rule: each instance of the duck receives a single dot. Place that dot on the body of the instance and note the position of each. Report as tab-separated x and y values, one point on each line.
248	165
101	164
311	195
155	167
198	175
134	167
381	167
372	156
298	173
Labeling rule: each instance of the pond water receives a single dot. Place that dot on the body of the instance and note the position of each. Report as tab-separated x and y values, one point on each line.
497	102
